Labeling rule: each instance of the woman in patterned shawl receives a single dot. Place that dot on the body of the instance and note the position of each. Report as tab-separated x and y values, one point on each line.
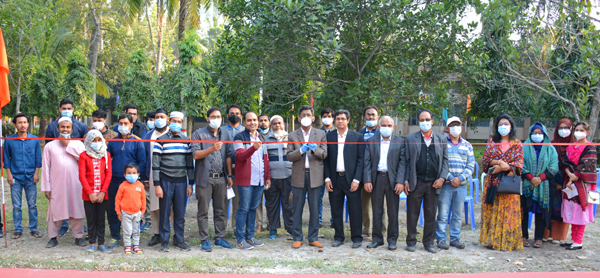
539	188
501	213
581	177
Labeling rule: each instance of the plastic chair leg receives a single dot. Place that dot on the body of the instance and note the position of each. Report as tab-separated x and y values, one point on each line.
347	212
472	211
421	215
530	218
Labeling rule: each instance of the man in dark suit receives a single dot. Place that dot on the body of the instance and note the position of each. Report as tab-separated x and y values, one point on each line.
426	172
343	173
385	163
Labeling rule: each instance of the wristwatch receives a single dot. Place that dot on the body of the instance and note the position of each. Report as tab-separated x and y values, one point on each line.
229	176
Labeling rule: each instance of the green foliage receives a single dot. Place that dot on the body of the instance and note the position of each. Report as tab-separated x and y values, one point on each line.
187	87
79	84
45	91
140	84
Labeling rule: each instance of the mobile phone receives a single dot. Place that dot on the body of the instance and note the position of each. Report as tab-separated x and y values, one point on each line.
491	170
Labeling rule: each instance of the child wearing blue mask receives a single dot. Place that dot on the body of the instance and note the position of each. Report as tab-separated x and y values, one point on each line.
130	205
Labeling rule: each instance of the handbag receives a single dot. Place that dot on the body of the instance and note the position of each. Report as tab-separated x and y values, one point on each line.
593	198
510	184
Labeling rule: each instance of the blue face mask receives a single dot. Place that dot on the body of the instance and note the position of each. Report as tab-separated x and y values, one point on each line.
371	123
386	131
175	127
67	113
264	131
124	130
504	130
160	123
65	135
96	145
150	124
131	178
537	138
425	126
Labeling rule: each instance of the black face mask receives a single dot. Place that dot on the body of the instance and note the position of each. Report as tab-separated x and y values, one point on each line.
234	119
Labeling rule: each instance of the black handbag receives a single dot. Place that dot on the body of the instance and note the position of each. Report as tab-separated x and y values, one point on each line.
510	184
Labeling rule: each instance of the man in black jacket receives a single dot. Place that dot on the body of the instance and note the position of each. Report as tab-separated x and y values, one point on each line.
343	173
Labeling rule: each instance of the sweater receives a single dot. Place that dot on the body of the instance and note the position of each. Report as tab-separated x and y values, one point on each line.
244	152
461	161
86	175
172	161
124	152
131	198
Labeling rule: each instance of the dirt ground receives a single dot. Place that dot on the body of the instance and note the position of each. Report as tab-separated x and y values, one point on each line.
277	256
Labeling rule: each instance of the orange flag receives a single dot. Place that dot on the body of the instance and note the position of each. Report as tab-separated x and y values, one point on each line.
4	93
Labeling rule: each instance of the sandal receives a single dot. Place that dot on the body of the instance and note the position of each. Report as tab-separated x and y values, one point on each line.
16	235
537	244
526	243
36	234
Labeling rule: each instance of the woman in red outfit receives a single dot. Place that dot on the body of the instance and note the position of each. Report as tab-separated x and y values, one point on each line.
95	172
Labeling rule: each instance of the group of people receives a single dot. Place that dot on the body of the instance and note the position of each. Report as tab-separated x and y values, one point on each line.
145	184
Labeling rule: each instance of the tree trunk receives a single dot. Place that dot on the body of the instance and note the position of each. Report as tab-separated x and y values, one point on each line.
491	126
95	40
593	120
183	8
150	29
160	13
43	126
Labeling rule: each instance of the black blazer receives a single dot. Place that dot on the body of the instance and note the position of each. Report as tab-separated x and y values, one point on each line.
353	156
396	160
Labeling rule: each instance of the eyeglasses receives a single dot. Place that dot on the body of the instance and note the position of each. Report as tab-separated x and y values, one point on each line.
424	120
504	124
454	125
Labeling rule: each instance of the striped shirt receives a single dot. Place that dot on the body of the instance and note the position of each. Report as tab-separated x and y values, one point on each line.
461	160
172	161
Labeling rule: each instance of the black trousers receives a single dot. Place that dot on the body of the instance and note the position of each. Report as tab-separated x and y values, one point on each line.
277	198
341	189
383	190
423	192
540	225
95	215
299	198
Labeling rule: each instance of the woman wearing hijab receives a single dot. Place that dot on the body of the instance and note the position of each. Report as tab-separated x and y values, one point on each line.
580	177
501	213
540	165
563	135
95	172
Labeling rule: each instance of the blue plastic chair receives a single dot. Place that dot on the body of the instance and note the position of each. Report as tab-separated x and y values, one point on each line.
346	208
475	183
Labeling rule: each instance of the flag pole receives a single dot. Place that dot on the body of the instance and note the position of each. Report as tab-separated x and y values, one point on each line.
2	182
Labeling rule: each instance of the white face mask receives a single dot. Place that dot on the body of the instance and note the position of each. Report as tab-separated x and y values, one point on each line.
580	135
537	138
306	121
455	131
327	121
564	133
215	123
98	126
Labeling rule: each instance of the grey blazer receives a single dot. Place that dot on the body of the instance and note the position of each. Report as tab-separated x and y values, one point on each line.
315	158
396	160
203	166
413	151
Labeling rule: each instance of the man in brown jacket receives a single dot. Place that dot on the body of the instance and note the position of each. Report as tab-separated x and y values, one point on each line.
307	174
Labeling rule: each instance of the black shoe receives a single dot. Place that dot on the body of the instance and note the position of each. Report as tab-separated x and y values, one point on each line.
52	243
431	248
356	244
411	248
392	247
574	247
164	247
183	246
337	243
374	245
80	242
457	244
443	245
566	244
154	240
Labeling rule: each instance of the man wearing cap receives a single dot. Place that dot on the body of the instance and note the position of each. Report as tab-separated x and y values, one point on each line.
461	163
173	174
60	183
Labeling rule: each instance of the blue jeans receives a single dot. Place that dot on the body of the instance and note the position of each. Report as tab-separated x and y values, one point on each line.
246	213
450	199
321	205
16	193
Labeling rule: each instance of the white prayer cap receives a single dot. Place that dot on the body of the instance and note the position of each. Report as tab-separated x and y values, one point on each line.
453	119
62	119
177	114
277	117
